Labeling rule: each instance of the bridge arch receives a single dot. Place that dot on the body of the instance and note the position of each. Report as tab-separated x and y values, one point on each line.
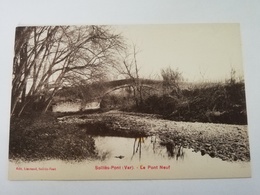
101	90
110	90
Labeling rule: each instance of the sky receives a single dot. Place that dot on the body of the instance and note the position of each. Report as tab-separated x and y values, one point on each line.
202	52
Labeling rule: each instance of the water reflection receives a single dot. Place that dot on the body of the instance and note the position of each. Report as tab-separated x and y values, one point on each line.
69	106
174	150
133	152
139	148
137	152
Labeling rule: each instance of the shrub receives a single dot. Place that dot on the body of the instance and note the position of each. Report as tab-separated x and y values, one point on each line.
218	103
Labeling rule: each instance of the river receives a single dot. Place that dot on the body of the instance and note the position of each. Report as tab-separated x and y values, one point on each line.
133	158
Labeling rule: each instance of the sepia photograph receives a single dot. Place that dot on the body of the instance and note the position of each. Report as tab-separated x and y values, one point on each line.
116	102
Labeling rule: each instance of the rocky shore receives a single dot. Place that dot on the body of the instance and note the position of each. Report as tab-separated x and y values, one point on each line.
227	142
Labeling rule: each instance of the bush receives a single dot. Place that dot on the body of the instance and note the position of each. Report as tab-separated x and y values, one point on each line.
218	103
117	102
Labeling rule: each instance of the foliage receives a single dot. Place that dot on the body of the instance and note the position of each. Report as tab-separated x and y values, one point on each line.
112	101
218	103
171	80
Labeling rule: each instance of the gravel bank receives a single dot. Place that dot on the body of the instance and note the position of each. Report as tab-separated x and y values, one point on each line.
228	142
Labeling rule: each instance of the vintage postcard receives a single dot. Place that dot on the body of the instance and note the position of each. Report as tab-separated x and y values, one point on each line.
100	102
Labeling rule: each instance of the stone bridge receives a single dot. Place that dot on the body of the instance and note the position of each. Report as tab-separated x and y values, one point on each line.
100	91
95	93
66	101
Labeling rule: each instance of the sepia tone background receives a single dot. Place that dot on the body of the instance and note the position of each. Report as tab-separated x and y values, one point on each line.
14	13
191	45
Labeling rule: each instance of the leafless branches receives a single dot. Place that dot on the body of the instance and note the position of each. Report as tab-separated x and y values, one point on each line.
130	70
50	56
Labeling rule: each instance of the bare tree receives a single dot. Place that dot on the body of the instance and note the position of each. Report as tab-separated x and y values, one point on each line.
130	70
86	90
171	80
45	57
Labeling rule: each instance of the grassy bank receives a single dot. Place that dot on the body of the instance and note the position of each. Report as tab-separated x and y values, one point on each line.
39	137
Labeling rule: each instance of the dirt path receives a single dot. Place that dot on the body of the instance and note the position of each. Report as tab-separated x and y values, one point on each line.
228	142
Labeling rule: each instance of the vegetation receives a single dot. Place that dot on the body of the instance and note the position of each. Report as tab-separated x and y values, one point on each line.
171	80
37	137
205	102
71	63
76	59
219	103
49	57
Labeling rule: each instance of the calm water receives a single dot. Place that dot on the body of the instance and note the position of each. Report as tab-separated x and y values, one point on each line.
139	149
73	106
135	158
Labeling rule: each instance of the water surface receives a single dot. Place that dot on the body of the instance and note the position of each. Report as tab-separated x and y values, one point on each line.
136	158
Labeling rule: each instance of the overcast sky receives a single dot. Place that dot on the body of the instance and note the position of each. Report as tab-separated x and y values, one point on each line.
199	51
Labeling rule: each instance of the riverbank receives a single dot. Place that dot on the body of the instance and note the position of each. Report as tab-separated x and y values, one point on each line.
69	136
227	142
